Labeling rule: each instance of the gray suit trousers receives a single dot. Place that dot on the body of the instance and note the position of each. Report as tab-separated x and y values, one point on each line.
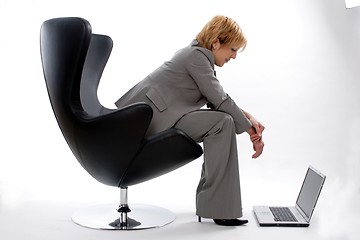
218	193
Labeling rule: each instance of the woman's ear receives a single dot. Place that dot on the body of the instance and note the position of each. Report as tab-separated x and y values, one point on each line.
216	44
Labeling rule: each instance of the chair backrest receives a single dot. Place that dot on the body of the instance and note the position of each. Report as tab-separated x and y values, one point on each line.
105	144
95	62
64	44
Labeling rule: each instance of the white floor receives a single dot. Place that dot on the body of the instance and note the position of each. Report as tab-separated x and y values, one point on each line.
46	214
46	220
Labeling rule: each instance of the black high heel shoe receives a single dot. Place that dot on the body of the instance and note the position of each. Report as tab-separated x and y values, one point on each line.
228	222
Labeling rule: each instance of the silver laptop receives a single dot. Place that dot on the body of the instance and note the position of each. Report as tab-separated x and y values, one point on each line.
300	214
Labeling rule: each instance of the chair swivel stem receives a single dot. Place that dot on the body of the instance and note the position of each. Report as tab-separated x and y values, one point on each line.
123	207
123	196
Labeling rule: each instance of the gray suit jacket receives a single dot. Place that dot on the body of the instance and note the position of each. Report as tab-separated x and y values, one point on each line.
185	83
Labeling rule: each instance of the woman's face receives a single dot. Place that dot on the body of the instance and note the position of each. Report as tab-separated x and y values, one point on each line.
223	53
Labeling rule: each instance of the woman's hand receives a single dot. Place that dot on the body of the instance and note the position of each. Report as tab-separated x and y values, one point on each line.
258	147
258	144
259	128
255	133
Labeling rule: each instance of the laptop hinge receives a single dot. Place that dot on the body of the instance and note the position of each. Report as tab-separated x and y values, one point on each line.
307	219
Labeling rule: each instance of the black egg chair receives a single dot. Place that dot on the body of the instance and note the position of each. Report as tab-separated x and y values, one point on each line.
110	144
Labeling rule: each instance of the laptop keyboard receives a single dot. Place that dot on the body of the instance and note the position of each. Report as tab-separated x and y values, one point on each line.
282	214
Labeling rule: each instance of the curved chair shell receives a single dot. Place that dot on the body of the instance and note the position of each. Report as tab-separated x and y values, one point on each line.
108	143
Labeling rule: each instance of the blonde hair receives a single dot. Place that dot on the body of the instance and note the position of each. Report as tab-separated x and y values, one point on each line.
223	28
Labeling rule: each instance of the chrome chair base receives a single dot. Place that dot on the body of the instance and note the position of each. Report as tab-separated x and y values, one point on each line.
107	217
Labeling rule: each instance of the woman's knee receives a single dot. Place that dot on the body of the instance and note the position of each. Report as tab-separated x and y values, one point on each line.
227	118
225	123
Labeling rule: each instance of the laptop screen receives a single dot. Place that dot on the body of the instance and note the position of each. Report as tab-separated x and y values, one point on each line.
310	191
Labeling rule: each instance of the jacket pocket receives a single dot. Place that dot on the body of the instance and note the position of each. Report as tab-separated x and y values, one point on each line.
156	99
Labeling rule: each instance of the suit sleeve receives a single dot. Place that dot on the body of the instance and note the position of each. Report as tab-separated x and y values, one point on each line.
200	69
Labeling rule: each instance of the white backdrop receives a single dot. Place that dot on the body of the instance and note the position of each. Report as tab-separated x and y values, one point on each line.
299	75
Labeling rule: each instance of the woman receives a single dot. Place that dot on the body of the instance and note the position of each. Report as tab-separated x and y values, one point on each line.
178	90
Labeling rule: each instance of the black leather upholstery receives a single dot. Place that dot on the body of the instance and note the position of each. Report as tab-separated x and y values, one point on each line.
108	143
95	62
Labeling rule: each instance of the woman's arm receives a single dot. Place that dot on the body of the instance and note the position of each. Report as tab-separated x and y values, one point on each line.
259	128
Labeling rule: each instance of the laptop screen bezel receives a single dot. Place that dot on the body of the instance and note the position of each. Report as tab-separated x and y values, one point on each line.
298	207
